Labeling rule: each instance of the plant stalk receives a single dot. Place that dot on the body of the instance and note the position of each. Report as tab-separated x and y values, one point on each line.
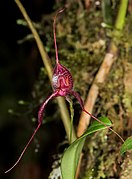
120	20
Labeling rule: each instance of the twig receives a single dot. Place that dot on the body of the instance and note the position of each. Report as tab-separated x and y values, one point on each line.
46	60
94	91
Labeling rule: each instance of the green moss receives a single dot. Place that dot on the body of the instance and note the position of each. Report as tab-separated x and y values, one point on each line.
126	172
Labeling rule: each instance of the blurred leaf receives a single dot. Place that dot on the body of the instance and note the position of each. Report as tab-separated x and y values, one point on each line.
126	146
107	12
72	154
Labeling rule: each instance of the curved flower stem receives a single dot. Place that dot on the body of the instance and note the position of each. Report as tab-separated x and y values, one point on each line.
40	119
46	60
104	69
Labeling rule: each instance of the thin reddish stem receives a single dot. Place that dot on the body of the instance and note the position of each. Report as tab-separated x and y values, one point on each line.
77	96
103	124
54	32
40	118
24	149
42	108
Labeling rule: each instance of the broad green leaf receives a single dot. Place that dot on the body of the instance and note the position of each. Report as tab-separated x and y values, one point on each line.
72	154
126	146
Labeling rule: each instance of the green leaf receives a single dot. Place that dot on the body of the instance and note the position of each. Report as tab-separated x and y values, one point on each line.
107	11
72	154
126	146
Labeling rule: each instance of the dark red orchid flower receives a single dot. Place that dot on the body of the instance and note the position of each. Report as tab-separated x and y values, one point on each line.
62	83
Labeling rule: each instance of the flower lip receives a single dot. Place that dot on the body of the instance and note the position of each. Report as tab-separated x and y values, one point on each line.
62	79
